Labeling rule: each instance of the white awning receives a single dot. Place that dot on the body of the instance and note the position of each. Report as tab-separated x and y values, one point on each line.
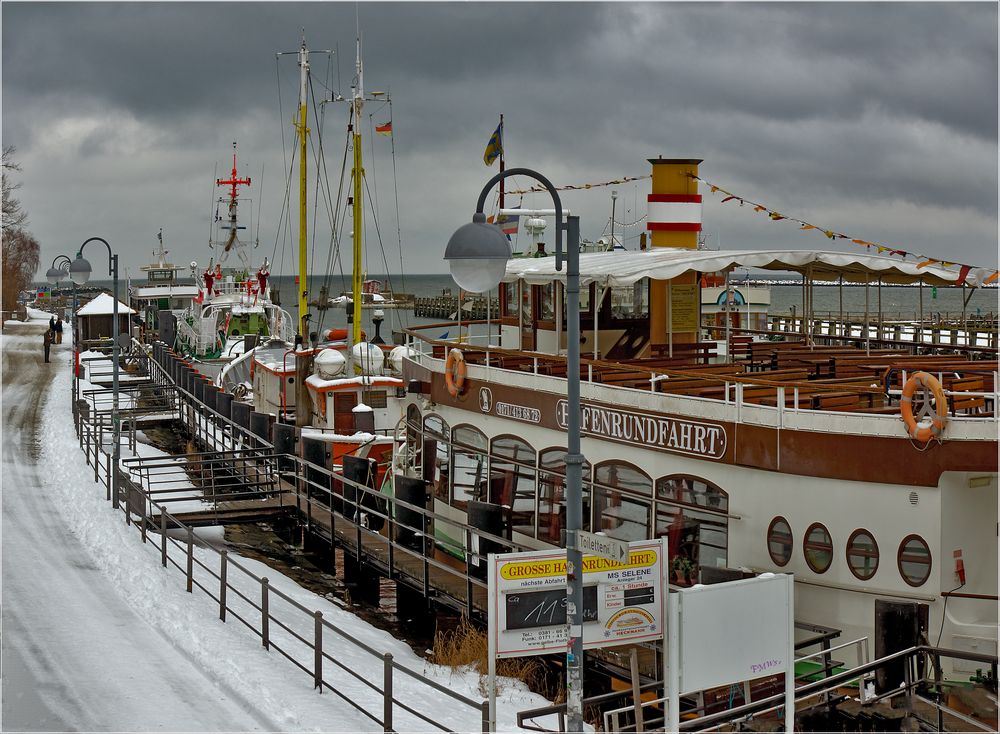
625	268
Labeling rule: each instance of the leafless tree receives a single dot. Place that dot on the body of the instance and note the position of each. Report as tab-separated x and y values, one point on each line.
20	248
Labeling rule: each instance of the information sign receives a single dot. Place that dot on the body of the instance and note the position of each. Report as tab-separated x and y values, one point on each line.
622	602
602	545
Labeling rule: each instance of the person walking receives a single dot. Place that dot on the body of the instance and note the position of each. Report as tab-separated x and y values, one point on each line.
52	323
47	343
58	330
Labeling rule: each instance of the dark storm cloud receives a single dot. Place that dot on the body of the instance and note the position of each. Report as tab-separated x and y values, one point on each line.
881	117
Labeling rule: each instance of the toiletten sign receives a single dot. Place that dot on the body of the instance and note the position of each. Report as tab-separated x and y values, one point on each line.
622	602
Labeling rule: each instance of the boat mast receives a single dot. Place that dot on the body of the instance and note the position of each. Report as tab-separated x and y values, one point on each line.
303	132
356	174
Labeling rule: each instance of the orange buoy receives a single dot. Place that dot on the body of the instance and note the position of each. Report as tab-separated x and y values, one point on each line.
922	431
454	372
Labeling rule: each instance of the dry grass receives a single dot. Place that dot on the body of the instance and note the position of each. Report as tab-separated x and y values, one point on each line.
468	646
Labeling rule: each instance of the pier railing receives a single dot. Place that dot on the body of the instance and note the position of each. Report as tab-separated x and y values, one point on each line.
283	623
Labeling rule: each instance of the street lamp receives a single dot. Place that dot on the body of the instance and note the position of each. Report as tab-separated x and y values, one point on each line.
79	272
478	253
54	275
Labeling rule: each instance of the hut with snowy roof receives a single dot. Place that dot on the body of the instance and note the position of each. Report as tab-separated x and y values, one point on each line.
95	319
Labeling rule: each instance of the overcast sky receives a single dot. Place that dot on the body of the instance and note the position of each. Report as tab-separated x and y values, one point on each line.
876	120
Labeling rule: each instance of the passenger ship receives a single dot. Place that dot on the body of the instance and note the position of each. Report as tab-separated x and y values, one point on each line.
791	456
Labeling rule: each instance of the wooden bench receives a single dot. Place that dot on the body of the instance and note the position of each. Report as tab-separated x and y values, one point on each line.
699	352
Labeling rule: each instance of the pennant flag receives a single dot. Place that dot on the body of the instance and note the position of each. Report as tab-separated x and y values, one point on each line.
494	148
728	198
385	129
807	226
991	278
925	263
963	273
775	216
760	208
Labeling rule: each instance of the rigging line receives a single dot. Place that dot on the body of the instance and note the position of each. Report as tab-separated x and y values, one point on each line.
287	214
260	203
395	192
285	164
322	187
211	217
316	150
371	146
336	233
378	232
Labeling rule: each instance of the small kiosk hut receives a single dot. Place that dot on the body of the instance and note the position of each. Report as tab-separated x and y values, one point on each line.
95	320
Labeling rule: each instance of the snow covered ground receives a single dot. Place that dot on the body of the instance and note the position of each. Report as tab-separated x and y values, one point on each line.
98	636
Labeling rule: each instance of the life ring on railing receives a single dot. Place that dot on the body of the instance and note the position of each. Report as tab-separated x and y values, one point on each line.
454	372
923	431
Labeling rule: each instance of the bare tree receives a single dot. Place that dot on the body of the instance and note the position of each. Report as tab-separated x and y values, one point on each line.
20	248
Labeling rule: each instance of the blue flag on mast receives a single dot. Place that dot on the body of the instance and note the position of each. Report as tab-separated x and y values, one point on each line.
493	148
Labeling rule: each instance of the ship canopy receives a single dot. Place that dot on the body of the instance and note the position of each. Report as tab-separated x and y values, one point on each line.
625	268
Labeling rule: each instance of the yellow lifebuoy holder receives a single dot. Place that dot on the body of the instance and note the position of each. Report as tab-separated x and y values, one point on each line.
923	430
454	372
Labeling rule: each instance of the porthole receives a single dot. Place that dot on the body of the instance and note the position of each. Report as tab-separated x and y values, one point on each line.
862	554
818	547
914	560
779	541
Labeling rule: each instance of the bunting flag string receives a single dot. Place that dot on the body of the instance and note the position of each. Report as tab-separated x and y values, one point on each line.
581	187
925	260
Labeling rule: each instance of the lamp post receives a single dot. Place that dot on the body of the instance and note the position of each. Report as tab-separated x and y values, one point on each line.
478	253
79	272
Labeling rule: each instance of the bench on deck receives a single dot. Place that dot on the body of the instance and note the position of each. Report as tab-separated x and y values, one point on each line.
696	352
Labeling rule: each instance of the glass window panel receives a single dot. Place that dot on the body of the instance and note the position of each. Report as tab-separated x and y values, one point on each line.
512	481
546	303
618	511
914	560
552	496
470	462
437	473
862	554
818	548
510	299
780	541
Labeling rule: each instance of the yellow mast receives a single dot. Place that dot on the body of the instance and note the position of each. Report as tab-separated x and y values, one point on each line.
357	173
303	131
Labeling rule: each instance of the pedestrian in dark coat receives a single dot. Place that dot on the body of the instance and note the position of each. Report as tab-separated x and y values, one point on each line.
58	330
47	343
52	323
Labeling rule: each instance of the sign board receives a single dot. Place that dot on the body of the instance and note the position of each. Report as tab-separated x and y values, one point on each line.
622	602
602	545
684	307
730	632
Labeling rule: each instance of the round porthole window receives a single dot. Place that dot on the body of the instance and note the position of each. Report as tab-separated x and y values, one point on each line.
779	541
862	554
818	548
914	560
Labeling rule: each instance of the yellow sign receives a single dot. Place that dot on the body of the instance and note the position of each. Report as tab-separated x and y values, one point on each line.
684	308
557	566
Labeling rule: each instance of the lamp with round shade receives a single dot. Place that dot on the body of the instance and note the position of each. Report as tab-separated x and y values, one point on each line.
54	275
477	254
79	270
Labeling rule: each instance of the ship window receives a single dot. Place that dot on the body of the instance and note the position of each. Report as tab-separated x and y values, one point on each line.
552	495
437	452
694	519
617	510
546	303
414	441
509	299
818	547
914	560
376	399
862	554
630	301
469	456
780	541
512	481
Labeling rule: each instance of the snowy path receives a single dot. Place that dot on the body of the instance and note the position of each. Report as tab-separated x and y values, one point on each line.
76	656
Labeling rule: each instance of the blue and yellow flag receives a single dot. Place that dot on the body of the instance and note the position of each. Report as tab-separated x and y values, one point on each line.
494	148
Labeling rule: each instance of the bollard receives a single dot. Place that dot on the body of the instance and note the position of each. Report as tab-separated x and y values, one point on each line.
387	692
264	616
318	652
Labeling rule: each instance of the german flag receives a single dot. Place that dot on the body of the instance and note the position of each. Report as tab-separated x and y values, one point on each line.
385	129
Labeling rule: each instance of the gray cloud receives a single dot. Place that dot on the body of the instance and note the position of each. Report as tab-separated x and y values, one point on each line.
877	119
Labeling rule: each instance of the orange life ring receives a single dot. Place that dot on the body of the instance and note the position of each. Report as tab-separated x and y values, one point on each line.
924	432
454	372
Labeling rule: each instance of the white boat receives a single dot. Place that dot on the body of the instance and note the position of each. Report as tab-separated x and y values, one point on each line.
163	290
793	458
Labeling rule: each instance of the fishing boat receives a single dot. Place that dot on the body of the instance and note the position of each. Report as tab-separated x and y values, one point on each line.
233	302
340	388
864	464
162	291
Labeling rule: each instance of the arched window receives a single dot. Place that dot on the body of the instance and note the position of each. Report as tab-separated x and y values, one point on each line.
693	514
437	455
780	541
622	494
914	560
512	481
862	554
818	547
552	495
469	456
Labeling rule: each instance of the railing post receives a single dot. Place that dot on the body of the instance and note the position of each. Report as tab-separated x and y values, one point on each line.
163	536
223	573
387	692
190	560
107	477
264	616
318	652
484	709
